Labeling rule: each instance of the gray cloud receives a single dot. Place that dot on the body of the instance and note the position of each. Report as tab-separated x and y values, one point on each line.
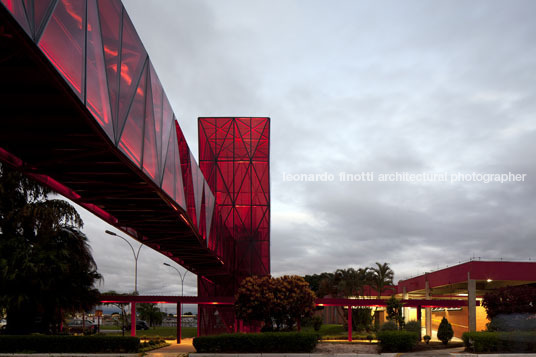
351	87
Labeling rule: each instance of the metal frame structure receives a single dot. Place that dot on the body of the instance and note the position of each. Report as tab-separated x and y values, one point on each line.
84	112
234	157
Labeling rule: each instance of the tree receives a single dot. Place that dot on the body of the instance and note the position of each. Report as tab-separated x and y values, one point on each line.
394	311
282	301
41	245
511	308
150	312
382	276
444	331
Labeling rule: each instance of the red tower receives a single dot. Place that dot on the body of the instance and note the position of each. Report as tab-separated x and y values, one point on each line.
234	158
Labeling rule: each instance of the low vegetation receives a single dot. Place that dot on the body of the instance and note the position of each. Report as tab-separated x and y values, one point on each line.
266	342
485	341
68	344
397	341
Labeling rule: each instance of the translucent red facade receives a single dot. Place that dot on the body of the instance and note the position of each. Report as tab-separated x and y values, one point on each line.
99	66
95	48
234	157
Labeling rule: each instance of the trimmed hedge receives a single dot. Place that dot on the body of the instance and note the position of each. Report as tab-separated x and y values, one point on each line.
520	341
266	342
397	341
68	344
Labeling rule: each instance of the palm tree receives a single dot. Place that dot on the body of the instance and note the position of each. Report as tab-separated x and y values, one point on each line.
42	246
382	276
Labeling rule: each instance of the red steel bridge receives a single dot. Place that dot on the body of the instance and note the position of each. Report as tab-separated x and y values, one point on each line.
82	110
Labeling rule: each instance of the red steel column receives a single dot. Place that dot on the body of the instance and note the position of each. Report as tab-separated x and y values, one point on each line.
349	324
133	319
179	321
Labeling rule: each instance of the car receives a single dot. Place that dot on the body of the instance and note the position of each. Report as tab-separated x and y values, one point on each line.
87	327
140	325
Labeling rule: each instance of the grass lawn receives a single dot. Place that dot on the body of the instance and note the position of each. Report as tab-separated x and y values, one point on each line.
164	332
336	332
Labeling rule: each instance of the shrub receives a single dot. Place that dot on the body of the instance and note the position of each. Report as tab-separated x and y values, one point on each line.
389	326
512	322
444	331
414	326
317	323
397	341
68	344
500	341
427	338
269	342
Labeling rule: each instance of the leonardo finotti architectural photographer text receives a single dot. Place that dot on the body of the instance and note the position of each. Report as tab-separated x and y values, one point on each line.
370	176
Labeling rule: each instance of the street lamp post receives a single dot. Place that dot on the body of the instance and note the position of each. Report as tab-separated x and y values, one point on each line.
182	276
179	307
136	255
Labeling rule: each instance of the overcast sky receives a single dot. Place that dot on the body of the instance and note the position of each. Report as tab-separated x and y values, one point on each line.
358	86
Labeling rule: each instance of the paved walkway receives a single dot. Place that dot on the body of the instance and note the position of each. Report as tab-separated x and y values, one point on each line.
441	352
173	350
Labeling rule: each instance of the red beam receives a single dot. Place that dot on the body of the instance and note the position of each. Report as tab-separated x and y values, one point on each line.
230	300
380	302
217	300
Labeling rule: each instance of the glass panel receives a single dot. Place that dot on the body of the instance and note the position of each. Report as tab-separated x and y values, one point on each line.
150	159
244	130
63	42
197	178
131	138
179	186
209	210
40	15
242	188
157	90
17	10
97	100
110	21
169	171
132	60
167	120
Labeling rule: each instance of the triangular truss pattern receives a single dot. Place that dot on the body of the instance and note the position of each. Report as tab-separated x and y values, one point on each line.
97	95
234	158
64	43
94	46
131	140
18	10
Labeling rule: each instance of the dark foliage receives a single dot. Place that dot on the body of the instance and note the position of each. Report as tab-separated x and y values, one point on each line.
42	246
500	341
445	331
269	342
510	300
397	341
68	344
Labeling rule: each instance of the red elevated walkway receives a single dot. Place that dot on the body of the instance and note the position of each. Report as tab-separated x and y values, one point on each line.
83	111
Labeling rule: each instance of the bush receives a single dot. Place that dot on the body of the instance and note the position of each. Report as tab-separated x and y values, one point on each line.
389	326
397	341
444	331
268	342
427	338
512	322
317	323
500	341
414	326
68	344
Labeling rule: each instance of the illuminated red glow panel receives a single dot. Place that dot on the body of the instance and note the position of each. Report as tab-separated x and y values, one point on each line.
234	156
94	47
